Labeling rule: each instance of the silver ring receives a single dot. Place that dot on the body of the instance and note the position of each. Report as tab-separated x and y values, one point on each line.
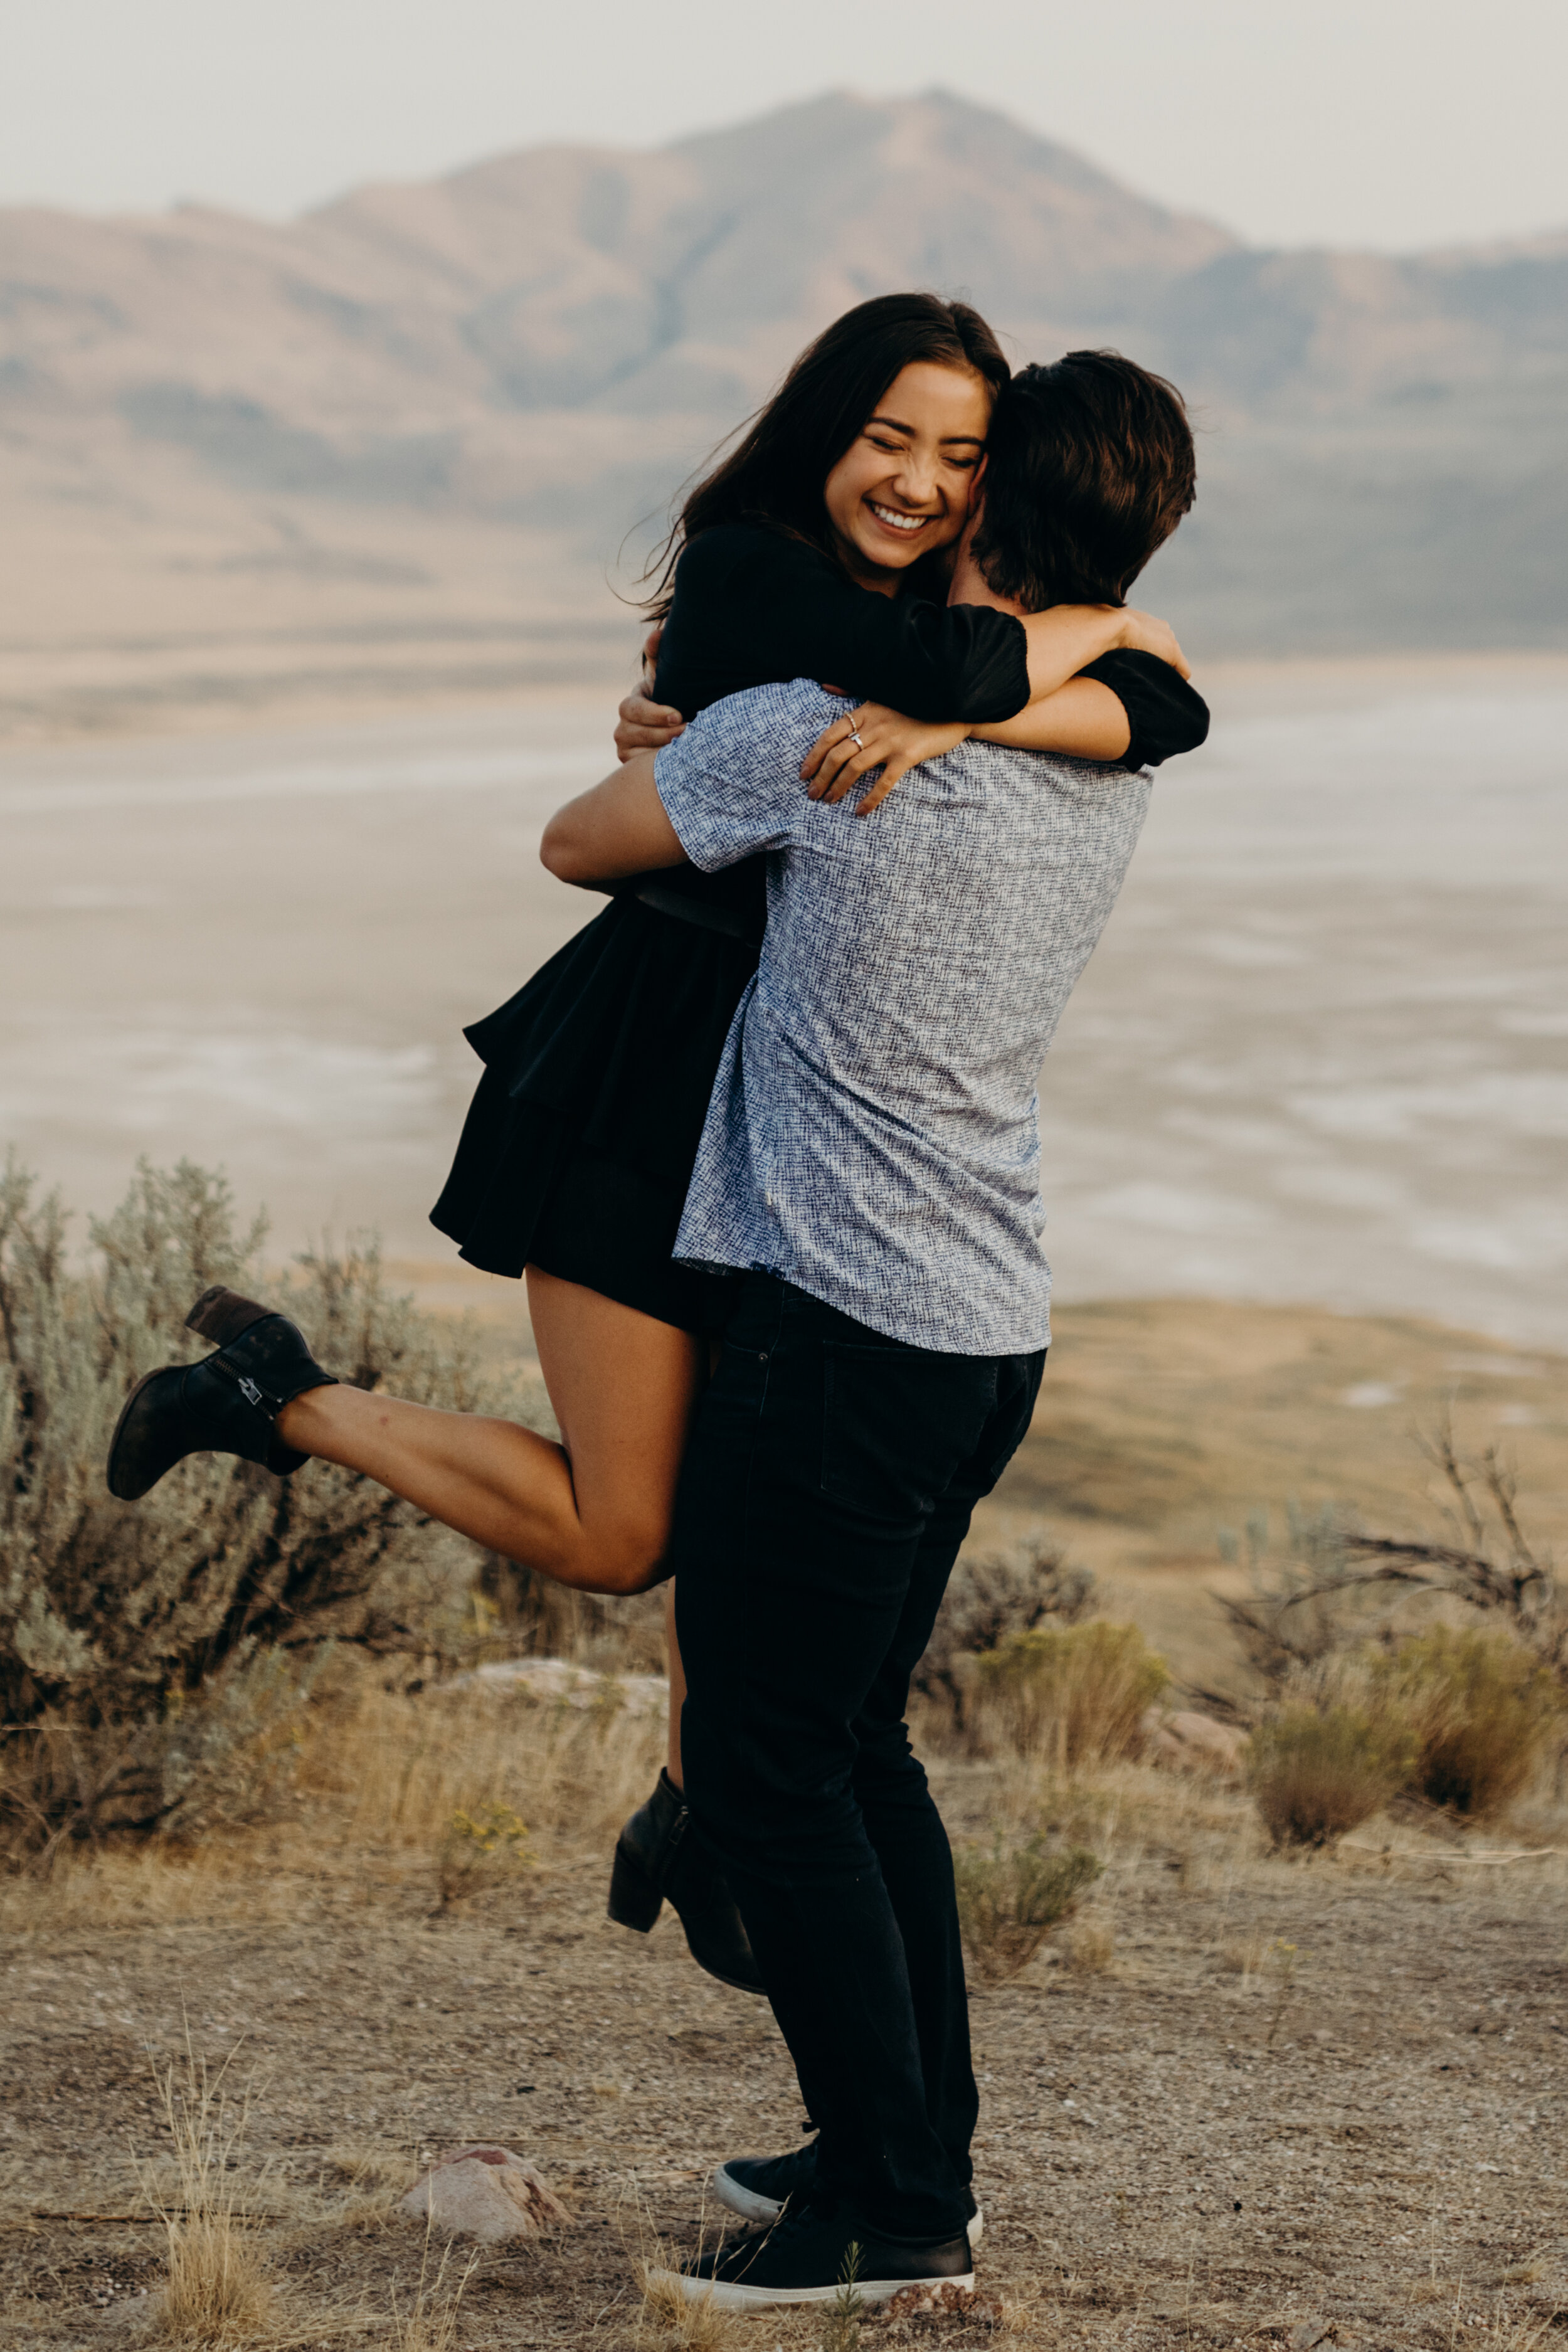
854	739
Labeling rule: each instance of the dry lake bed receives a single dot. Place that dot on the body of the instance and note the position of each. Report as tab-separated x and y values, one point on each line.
1321	1054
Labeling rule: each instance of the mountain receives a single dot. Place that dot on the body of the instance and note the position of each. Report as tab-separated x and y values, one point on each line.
449	401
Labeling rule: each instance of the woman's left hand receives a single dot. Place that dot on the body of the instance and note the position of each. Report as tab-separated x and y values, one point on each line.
872	736
645	725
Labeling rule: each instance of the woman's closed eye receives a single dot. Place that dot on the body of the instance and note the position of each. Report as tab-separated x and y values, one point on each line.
961	461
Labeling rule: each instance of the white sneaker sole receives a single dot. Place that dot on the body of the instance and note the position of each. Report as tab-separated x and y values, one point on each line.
721	2295
751	2208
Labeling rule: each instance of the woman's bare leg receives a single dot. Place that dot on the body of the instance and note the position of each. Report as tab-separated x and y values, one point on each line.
594	1511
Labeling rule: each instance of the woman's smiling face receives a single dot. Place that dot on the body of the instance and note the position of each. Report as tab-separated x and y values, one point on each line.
903	484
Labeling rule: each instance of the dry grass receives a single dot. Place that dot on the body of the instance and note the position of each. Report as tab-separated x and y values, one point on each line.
667	2319
217	2292
430	2322
1090	1946
386	1781
397	1769
1075	1695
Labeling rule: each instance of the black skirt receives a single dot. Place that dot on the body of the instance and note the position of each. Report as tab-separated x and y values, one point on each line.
579	1144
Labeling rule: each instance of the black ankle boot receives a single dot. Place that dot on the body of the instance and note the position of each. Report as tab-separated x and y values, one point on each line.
659	1857
228	1403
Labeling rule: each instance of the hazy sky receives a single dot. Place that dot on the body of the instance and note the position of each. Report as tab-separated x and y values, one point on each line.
1386	122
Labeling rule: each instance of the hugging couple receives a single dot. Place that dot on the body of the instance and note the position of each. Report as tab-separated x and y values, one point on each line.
762	1138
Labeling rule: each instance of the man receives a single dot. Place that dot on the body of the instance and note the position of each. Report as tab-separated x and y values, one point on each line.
870	1166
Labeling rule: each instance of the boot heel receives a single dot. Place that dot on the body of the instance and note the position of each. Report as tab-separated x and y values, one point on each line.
634	1900
221	1315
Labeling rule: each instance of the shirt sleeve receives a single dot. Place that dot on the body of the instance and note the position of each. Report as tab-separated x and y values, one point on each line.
731	784
769	606
1167	715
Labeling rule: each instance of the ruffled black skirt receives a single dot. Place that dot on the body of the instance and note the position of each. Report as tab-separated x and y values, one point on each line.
579	1144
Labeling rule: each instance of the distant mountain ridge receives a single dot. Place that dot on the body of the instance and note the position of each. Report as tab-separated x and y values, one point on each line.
544	342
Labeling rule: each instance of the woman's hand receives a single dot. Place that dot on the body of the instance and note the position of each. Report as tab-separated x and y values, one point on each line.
1147	635
646	726
872	736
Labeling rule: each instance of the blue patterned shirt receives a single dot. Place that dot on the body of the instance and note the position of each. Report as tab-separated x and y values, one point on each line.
872	1136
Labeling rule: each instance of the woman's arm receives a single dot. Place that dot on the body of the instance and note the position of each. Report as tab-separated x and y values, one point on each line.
1084	719
1081	717
1081	721
1129	708
1067	638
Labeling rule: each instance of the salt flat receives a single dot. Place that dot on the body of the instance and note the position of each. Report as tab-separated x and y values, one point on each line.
1321	1054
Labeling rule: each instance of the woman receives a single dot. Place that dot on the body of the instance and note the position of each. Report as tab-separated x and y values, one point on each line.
812	550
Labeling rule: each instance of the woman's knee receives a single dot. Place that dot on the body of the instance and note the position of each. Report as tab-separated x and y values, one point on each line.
627	1559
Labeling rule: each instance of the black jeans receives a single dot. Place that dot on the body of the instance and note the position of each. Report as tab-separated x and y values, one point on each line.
827	1486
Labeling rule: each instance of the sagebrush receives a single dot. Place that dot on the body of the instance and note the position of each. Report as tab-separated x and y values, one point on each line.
990	1596
1009	1899
1481	1711
1076	1693
154	1656
1317	1771
1338	1583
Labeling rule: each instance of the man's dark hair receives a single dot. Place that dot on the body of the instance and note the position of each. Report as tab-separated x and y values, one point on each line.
1089	467
776	473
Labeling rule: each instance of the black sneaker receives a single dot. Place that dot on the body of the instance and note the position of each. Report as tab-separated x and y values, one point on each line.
811	2255
758	2188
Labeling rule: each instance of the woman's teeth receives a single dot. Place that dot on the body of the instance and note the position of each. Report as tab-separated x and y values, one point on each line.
896	521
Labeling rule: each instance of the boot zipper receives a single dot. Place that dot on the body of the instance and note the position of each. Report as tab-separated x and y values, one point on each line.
270	1406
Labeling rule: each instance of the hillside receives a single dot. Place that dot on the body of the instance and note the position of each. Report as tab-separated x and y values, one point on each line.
427	416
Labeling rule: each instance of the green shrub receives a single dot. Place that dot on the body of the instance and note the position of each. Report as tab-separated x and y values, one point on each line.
1076	1695
153	1655
990	1596
1481	1709
1009	1902
1316	1772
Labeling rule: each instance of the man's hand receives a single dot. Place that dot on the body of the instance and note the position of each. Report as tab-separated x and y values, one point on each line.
1144	634
619	828
887	739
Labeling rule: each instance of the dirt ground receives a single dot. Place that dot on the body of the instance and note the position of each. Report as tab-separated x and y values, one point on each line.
1245	2100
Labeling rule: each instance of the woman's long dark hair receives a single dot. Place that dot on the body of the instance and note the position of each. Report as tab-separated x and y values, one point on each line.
776	474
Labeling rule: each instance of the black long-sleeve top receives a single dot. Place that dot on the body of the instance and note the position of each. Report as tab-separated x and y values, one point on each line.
754	607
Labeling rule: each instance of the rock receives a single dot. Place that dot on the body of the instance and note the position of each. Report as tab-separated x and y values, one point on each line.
556	1681
484	2192
945	2302
1309	2333
1186	1741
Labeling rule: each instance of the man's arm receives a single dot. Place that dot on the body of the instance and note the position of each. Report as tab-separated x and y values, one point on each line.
619	828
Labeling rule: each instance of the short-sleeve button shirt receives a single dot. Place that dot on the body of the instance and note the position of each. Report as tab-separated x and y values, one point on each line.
873	1133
